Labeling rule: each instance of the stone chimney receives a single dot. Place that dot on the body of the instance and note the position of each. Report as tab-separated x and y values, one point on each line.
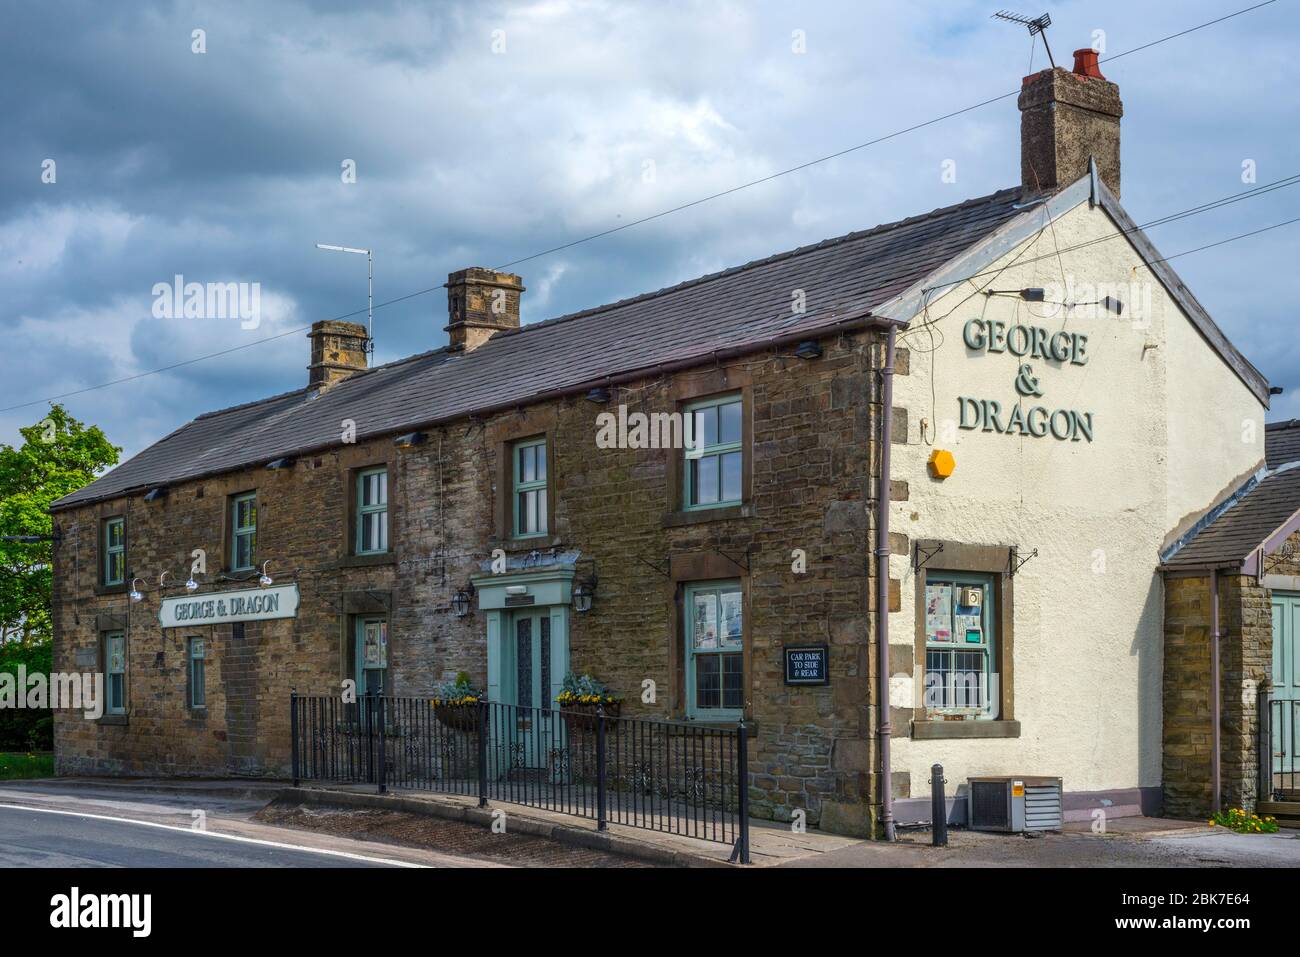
1065	117
338	349
481	303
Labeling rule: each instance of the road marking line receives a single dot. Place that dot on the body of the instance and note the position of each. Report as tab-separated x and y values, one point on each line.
225	837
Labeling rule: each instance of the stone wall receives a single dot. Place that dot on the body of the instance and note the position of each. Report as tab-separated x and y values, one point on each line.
1246	648
810	488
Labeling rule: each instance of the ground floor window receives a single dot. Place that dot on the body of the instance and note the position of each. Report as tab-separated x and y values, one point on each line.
115	672
715	669
371	654
198	652
959	644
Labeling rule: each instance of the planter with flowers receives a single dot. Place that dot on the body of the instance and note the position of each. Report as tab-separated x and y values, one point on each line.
579	698
456	704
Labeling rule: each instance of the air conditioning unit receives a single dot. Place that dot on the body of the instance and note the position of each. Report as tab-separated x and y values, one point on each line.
1015	804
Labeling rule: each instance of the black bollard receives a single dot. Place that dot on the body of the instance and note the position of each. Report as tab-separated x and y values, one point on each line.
938	807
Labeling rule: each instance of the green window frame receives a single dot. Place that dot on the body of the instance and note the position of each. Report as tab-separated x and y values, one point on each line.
714	459
198	654
715	650
529	488
115	672
372	511
114	539
960	643
243	531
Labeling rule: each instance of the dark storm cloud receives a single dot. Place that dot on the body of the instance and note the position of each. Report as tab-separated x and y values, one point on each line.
225	166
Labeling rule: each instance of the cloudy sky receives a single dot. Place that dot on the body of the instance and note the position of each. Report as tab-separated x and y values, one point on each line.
482	133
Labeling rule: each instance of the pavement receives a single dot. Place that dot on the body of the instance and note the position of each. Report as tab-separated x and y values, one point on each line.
184	823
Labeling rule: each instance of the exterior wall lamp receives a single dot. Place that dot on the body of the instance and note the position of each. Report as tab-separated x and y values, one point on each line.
409	440
462	601
583	592
598	394
191	584
808	349
264	579
135	594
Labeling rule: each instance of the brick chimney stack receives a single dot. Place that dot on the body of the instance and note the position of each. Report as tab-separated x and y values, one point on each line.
1065	117
481	303
338	349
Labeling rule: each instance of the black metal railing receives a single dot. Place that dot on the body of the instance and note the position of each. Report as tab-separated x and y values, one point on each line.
673	777
1279	735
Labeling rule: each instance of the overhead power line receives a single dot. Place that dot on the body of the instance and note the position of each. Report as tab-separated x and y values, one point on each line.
645	219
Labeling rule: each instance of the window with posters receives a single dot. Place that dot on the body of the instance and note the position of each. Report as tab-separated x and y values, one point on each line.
372	654
715	664
959	644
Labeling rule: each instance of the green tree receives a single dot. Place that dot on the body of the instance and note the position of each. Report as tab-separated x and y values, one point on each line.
58	456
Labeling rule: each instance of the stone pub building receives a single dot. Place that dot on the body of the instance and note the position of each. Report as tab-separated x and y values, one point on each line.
1001	439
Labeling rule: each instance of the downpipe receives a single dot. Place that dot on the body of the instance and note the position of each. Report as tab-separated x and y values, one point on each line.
882	586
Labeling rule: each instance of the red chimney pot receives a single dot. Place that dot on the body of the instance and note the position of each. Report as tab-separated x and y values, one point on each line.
1085	63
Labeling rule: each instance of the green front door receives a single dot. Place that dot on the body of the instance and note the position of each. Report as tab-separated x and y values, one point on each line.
1286	687
528	683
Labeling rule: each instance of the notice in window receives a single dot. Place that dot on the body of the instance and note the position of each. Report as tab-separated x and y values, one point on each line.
705	621
938	612
730	618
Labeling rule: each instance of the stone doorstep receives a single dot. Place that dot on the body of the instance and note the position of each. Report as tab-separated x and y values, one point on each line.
768	844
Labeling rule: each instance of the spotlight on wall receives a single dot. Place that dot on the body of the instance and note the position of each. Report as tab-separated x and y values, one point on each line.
583	592
809	349
191	585
598	394
264	579
462	601
280	464
134	594
1113	304
155	493
409	440
1033	294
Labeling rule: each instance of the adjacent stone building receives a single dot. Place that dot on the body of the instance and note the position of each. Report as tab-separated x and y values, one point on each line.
953	448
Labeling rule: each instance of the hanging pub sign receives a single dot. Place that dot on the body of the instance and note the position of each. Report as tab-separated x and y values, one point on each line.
806	665
253	604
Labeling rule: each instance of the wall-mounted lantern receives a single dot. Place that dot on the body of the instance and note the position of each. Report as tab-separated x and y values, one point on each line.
135	594
264	579
463	601
583	592
599	394
809	349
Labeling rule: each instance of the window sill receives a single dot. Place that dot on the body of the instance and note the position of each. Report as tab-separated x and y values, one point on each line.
937	730
697	516
111	589
113	719
362	561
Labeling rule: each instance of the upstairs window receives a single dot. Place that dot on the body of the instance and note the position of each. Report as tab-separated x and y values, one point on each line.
714	458
243	524
114	538
529	492
372	511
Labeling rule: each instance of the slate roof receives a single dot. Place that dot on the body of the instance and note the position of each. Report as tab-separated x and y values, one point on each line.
1282	442
1245	525
749	305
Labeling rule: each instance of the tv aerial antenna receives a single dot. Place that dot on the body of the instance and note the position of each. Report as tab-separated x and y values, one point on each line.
1036	25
